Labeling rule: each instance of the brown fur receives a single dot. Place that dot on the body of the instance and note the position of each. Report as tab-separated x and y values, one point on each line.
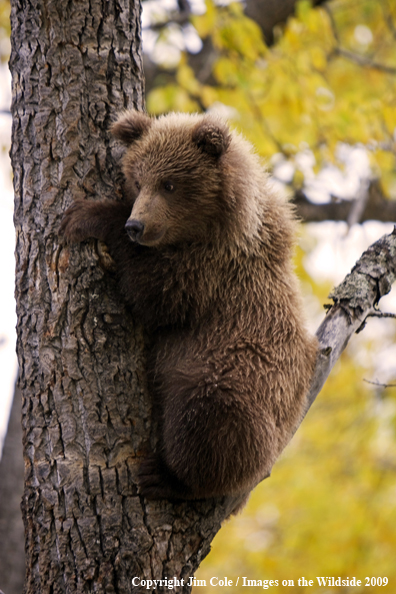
210	275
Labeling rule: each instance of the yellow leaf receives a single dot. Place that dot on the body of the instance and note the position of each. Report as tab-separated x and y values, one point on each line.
204	23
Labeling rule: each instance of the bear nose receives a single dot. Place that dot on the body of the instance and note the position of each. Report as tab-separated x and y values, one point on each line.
134	229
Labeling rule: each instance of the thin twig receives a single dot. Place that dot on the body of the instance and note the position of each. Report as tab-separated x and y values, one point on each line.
379	384
388	18
332	22
381	314
363	61
357	58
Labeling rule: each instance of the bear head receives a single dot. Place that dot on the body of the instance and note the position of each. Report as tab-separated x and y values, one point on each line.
174	168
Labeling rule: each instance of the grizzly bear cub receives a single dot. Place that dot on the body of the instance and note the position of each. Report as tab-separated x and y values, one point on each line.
202	247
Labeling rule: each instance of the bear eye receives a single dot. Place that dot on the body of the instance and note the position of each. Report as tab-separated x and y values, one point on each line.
137	184
168	186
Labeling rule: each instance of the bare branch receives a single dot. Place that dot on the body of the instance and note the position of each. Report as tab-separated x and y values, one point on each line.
388	18
179	17
377	207
364	61
358	205
379	384
269	13
357	58
354	299
380	314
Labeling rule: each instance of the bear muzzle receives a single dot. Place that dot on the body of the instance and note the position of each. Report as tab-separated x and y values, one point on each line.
135	229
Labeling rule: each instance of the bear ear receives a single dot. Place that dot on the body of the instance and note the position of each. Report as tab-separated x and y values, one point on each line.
131	126
213	137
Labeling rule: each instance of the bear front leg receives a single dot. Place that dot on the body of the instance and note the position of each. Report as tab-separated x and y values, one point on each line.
93	219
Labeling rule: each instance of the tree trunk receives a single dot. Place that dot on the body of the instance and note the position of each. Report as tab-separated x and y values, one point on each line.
86	415
86	412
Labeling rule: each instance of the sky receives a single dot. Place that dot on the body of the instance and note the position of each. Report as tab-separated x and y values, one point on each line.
8	362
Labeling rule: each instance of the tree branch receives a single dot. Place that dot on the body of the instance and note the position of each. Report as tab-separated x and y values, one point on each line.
388	18
377	207
379	385
269	13
354	299
381	314
363	61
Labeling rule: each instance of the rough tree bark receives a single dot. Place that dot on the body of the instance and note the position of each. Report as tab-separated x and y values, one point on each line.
355	299
86	413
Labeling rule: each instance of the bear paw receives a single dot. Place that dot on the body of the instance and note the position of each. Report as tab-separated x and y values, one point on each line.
156	482
74	222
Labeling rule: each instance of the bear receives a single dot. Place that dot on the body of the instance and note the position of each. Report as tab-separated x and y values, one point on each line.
202	248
